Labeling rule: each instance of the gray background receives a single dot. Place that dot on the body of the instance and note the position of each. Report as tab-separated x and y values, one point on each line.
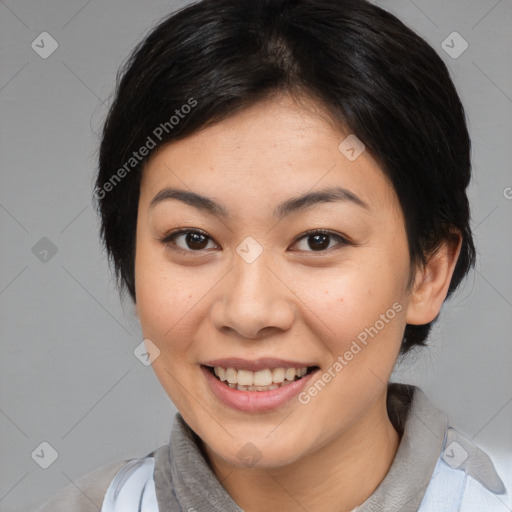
68	375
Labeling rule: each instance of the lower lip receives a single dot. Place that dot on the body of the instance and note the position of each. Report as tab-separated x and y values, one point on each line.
255	401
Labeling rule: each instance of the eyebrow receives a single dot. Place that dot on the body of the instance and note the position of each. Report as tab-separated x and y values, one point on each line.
293	205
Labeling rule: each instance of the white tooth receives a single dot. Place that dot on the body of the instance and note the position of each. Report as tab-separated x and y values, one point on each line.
290	374
297	372
263	378
231	375
221	373
303	371
245	377
278	375
259	388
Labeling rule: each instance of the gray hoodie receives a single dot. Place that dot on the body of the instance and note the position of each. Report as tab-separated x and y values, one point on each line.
435	468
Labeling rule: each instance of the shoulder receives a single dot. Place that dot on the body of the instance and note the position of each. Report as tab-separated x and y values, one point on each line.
464	479
85	494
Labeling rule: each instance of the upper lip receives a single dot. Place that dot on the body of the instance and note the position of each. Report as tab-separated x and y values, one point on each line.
256	364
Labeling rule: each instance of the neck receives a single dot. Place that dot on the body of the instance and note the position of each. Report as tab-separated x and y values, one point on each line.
338	477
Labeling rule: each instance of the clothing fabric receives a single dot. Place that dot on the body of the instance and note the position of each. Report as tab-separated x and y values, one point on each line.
435	469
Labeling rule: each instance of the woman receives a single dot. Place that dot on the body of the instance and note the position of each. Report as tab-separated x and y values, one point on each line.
282	192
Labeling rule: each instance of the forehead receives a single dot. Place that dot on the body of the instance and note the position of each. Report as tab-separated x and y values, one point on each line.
276	149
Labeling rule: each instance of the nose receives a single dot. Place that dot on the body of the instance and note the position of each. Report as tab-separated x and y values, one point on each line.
255	301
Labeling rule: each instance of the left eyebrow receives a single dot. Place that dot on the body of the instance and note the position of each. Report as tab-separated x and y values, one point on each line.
293	205
327	195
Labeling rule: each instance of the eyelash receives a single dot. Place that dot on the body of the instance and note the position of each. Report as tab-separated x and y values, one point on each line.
168	238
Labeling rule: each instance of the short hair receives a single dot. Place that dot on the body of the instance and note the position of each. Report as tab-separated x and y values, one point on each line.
373	75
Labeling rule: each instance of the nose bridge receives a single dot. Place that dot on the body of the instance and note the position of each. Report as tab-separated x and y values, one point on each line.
251	292
250	279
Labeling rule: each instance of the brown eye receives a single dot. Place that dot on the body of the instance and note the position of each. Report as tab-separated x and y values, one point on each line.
319	241
190	240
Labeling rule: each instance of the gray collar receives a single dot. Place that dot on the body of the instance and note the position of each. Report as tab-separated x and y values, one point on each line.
184	479
421	445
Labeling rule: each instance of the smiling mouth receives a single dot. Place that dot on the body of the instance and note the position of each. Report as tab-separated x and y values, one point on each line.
262	380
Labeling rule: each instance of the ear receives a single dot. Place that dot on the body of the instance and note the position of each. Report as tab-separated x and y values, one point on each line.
432	282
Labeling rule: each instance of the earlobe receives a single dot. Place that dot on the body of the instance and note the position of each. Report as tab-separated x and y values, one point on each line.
432	282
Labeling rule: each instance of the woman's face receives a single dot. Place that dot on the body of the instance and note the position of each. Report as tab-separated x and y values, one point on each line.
253	290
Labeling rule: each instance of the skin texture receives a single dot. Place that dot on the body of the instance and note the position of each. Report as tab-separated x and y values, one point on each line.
293	302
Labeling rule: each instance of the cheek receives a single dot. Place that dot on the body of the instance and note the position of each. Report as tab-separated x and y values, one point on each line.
364	306
165	306
164	299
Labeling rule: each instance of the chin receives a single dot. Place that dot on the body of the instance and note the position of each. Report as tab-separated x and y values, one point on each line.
247	452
